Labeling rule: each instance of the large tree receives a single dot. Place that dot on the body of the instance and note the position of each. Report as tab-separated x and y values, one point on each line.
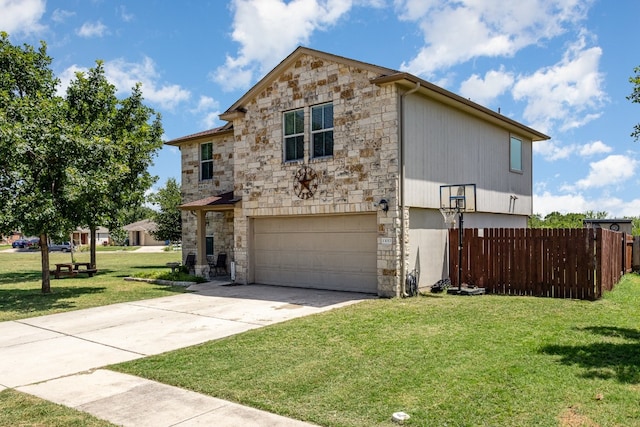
635	97
37	147
75	161
121	137
568	220
168	218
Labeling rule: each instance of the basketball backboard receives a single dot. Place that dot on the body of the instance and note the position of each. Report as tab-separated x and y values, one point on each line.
458	197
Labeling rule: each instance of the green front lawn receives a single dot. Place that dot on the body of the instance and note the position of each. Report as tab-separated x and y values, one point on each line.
445	360
20	282
23	410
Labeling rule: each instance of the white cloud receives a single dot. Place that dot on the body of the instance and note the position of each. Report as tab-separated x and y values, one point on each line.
66	76
22	16
554	150
268	30
60	15
124	15
596	147
124	75
546	202
92	29
611	170
565	92
211	120
205	105
483	91
456	31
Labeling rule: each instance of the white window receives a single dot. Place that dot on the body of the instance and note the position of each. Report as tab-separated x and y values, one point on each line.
515	154
294	135
206	161
322	130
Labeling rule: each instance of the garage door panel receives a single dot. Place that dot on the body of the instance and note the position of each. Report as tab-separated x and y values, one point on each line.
333	252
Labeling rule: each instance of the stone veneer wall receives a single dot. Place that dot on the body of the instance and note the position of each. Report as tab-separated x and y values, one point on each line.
363	169
218	224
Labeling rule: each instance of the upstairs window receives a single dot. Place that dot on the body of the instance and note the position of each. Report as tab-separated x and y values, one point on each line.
322	130
294	135
515	154
206	161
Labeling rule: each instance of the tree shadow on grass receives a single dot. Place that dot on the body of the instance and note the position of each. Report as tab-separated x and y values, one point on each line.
604	360
20	276
34	301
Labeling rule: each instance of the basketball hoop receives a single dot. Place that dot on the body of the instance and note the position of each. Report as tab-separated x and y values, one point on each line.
457	199
449	217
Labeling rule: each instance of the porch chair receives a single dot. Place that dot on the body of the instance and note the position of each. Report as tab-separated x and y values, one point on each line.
190	263
219	265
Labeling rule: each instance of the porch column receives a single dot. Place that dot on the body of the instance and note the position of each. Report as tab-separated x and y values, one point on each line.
201	251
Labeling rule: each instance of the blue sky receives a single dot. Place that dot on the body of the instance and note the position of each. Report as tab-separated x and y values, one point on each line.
560	66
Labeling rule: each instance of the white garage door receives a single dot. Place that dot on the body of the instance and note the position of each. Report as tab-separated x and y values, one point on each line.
326	252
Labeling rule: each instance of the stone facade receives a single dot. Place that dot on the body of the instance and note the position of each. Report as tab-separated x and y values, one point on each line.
362	170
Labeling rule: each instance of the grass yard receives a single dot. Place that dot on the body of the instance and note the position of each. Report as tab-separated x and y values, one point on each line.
22	410
20	282
445	360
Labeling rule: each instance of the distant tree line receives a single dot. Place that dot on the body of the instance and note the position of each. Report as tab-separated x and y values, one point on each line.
574	220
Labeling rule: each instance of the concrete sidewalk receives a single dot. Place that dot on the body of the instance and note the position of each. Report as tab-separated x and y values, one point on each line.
57	357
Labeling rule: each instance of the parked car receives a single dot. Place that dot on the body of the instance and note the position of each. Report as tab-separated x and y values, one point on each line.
20	243
64	247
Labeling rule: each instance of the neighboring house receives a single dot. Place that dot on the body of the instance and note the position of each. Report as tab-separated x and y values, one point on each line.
623	225
7	240
290	188
82	236
139	233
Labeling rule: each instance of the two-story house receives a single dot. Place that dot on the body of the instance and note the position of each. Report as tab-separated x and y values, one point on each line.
328	171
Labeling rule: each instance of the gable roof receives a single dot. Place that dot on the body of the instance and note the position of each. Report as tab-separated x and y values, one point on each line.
204	134
387	76
409	81
142	225
290	60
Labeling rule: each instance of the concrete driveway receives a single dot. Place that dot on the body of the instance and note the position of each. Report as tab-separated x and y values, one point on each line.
57	357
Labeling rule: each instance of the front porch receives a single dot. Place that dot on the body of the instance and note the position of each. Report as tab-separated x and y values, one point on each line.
209	245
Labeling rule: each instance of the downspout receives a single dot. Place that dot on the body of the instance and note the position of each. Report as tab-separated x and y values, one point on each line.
403	268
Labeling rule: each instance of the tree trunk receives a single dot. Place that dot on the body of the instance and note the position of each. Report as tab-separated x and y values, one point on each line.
44	256
93	246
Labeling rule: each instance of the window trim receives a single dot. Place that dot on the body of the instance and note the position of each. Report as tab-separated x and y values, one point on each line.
513	138
205	161
322	130
293	136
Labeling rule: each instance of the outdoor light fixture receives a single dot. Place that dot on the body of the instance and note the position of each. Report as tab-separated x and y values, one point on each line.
384	205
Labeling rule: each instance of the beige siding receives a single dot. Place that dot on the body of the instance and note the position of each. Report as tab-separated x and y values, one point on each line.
446	146
427	252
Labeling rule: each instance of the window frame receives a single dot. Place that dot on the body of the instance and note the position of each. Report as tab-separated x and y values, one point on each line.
296	136
209	244
519	168
208	162
323	130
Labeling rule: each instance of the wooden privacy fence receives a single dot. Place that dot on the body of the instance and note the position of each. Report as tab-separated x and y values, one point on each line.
578	263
